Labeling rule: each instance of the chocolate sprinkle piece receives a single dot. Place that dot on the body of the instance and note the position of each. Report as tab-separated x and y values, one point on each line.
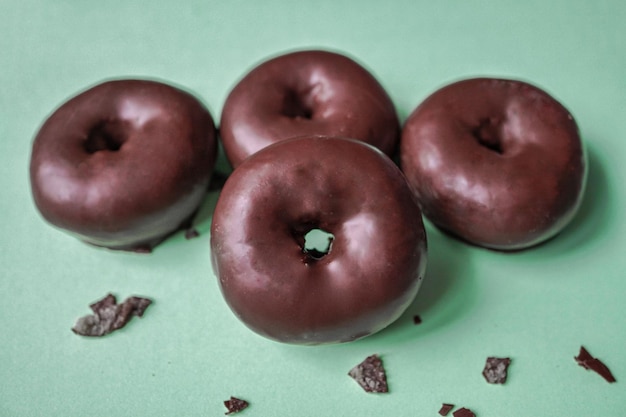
495	370
235	405
463	412
370	375
445	409
109	316
588	362
417	319
191	233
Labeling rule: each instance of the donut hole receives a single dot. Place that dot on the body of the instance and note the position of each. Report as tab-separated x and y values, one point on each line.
297	105
105	136
317	243
487	134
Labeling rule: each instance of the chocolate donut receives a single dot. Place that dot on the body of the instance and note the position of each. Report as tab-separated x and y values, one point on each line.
123	164
499	163
307	93
280	289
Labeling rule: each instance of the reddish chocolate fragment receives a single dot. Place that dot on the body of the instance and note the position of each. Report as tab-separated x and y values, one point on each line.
235	405
109	316
417	319
495	370
445	409
463	412
191	233
588	362
370	375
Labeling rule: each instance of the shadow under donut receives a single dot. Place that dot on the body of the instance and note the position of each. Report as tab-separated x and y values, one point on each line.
221	172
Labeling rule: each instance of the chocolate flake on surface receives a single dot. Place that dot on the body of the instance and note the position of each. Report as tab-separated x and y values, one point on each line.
463	412
588	362
235	405
417	319
445	409
495	371
370	375
109	316
191	233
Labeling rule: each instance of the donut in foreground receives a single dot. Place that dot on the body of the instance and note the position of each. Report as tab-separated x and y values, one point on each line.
283	290
123	164
498	163
307	93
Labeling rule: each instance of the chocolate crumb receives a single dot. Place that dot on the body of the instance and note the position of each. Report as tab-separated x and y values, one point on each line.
495	371
109	316
370	375
588	362
463	412
417	319
445	409
191	233
235	405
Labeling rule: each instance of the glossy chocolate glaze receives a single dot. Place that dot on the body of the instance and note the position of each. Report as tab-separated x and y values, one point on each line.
123	164
344	187
307	93
498	163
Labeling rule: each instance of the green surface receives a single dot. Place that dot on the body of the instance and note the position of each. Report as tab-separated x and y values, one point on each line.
189	353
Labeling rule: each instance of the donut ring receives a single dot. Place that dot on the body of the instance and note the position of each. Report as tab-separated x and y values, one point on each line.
373	269
123	164
307	93
499	163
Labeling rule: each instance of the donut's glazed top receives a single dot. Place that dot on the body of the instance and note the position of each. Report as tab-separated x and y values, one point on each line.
123	163
307	93
497	162
269	203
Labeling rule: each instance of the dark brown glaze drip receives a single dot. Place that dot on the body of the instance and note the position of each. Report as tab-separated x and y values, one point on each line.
124	164
370	274
498	163
307	93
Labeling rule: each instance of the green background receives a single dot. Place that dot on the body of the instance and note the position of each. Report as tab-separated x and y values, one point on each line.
189	353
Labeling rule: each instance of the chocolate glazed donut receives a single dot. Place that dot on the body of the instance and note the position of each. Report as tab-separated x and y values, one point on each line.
123	164
307	93
496	162
376	260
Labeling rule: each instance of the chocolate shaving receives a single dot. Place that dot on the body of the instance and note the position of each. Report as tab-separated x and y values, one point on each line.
235	405
370	375
495	371
445	409
417	319
109	316
191	233
463	412
588	362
